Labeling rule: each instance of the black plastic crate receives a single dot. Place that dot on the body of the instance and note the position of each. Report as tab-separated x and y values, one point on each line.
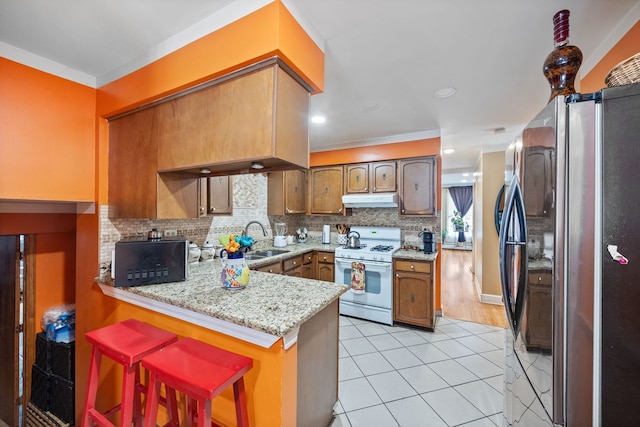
40	387
43	352
63	359
62	399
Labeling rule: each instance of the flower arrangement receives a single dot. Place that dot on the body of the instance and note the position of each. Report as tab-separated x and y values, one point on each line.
233	243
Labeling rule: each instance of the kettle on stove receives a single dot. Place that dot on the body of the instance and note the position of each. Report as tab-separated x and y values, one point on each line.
353	240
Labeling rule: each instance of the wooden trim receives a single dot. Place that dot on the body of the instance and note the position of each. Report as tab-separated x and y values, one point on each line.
29	312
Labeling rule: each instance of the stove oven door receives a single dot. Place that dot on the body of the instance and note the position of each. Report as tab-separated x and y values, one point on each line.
378	283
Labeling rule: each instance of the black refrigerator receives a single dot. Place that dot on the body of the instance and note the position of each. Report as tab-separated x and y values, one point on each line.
570	263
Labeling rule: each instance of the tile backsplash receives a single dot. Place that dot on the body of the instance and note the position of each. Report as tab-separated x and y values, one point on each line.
249	204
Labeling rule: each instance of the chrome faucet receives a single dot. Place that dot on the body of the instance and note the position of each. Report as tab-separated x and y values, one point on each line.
246	228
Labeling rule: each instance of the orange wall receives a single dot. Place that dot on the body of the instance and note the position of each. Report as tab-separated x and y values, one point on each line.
628	46
47	136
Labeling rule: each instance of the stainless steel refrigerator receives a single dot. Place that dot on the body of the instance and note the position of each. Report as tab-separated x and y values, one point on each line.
571	218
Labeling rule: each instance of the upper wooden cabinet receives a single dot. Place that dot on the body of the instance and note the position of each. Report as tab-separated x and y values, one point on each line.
215	196
326	190
379	177
261	116
417	190
287	192
136	190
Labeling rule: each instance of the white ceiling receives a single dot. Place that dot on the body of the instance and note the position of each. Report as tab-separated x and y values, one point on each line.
383	58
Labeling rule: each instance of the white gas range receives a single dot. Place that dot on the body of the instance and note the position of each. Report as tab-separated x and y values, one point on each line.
377	245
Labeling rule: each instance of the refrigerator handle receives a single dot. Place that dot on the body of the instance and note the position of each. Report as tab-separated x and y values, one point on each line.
514	204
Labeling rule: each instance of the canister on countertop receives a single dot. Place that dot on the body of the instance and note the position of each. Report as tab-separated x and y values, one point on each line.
427	240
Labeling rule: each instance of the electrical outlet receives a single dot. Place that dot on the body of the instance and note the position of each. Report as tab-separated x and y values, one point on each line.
170	233
425	228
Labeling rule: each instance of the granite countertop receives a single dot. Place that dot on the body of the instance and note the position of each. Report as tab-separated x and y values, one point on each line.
271	303
415	255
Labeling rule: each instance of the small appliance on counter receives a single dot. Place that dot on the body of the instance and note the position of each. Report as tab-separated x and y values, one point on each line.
326	234
280	239
302	235
427	240
149	262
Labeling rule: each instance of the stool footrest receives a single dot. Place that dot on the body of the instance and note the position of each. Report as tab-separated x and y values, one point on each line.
99	418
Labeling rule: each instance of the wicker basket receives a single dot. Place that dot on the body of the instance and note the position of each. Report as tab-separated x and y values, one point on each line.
625	73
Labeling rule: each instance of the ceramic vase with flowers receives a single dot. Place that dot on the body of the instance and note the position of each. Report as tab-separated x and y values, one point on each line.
235	271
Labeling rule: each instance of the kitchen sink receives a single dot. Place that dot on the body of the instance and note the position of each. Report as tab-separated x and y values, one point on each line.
270	252
264	254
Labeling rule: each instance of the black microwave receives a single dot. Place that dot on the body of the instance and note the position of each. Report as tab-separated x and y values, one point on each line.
149	262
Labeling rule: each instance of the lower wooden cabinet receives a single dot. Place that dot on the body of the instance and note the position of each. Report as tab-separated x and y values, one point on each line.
324	266
292	266
307	265
275	268
536	320
414	293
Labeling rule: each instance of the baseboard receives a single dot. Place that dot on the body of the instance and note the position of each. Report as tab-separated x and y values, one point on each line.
491	299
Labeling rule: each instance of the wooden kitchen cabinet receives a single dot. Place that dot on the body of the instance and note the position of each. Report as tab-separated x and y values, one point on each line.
378	177
536	322
215	196
260	115
414	293
136	190
324	266
293	266
417	186
307	265
326	190
287	192
275	268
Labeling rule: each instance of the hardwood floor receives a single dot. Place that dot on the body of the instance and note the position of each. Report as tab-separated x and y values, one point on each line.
460	300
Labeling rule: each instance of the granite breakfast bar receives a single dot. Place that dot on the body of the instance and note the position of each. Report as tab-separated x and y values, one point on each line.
288	325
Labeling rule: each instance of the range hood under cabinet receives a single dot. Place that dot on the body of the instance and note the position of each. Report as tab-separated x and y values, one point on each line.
376	200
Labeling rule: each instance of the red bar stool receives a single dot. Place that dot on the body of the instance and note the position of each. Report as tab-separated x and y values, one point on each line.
201	372
126	343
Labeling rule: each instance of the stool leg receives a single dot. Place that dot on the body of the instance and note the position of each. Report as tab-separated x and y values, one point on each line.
204	413
92	386
153	400
241	403
192	411
137	399
128	392
172	406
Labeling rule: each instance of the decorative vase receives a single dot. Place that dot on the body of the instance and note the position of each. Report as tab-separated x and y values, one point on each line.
562	64
235	271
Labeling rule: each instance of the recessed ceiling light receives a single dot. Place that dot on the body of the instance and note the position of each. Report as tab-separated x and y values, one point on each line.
257	165
318	119
463	180
205	170
444	92
448	151
465	174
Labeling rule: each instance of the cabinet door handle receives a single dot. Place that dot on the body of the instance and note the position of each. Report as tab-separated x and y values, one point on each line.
397	275
416	185
412	267
295	263
412	298
324	258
